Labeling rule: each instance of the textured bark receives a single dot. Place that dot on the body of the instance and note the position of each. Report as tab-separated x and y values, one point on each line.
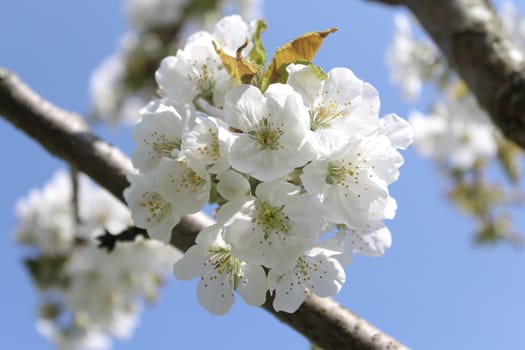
64	134
328	324
470	35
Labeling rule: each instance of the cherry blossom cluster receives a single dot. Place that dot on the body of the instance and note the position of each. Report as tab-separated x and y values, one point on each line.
46	218
88	294
297	160
412	60
456	131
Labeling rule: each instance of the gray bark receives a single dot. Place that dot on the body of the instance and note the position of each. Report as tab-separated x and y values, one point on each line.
471	37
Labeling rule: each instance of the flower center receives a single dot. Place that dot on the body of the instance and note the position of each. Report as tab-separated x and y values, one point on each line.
223	262
271	218
162	145
205	78
190	181
206	83
301	267
266	135
322	115
156	206
212	150
337	172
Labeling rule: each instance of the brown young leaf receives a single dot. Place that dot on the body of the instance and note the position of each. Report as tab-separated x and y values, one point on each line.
301	49
240	69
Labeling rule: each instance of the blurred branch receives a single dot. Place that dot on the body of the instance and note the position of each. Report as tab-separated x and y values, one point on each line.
65	135
470	35
62	133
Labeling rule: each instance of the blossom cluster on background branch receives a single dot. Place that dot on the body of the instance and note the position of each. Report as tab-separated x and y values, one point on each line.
471	36
455	131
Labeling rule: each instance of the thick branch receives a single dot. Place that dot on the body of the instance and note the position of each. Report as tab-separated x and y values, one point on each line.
470	35
64	134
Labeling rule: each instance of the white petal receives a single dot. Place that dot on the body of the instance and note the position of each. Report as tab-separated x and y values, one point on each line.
244	107
252	284
276	192
215	293
249	243
289	292
149	209
239	207
398	130
172	77
184	182
373	241
278	94
303	79
232	184
231	32
158	133
325	276
192	264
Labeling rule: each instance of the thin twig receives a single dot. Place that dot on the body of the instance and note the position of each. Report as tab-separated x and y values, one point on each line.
75	204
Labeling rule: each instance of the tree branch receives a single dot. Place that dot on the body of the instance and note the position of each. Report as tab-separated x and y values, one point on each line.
471	36
64	134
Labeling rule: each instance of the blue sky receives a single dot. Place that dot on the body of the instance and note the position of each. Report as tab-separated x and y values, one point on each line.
434	289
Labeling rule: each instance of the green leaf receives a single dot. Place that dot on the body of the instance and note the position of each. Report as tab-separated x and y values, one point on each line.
258	53
46	271
508	156
300	50
49	311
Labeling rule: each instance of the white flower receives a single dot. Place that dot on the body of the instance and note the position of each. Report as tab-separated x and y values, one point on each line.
99	211
232	185
397	129
372	240
514	24
197	70
149	209
112	103
45	217
105	84
192	72
267	229
274	136
159	132
151	14
457	132
353	182
220	273
317	271
230	33
79	339
103	288
185	183
203	144
411	62
340	106
249	9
